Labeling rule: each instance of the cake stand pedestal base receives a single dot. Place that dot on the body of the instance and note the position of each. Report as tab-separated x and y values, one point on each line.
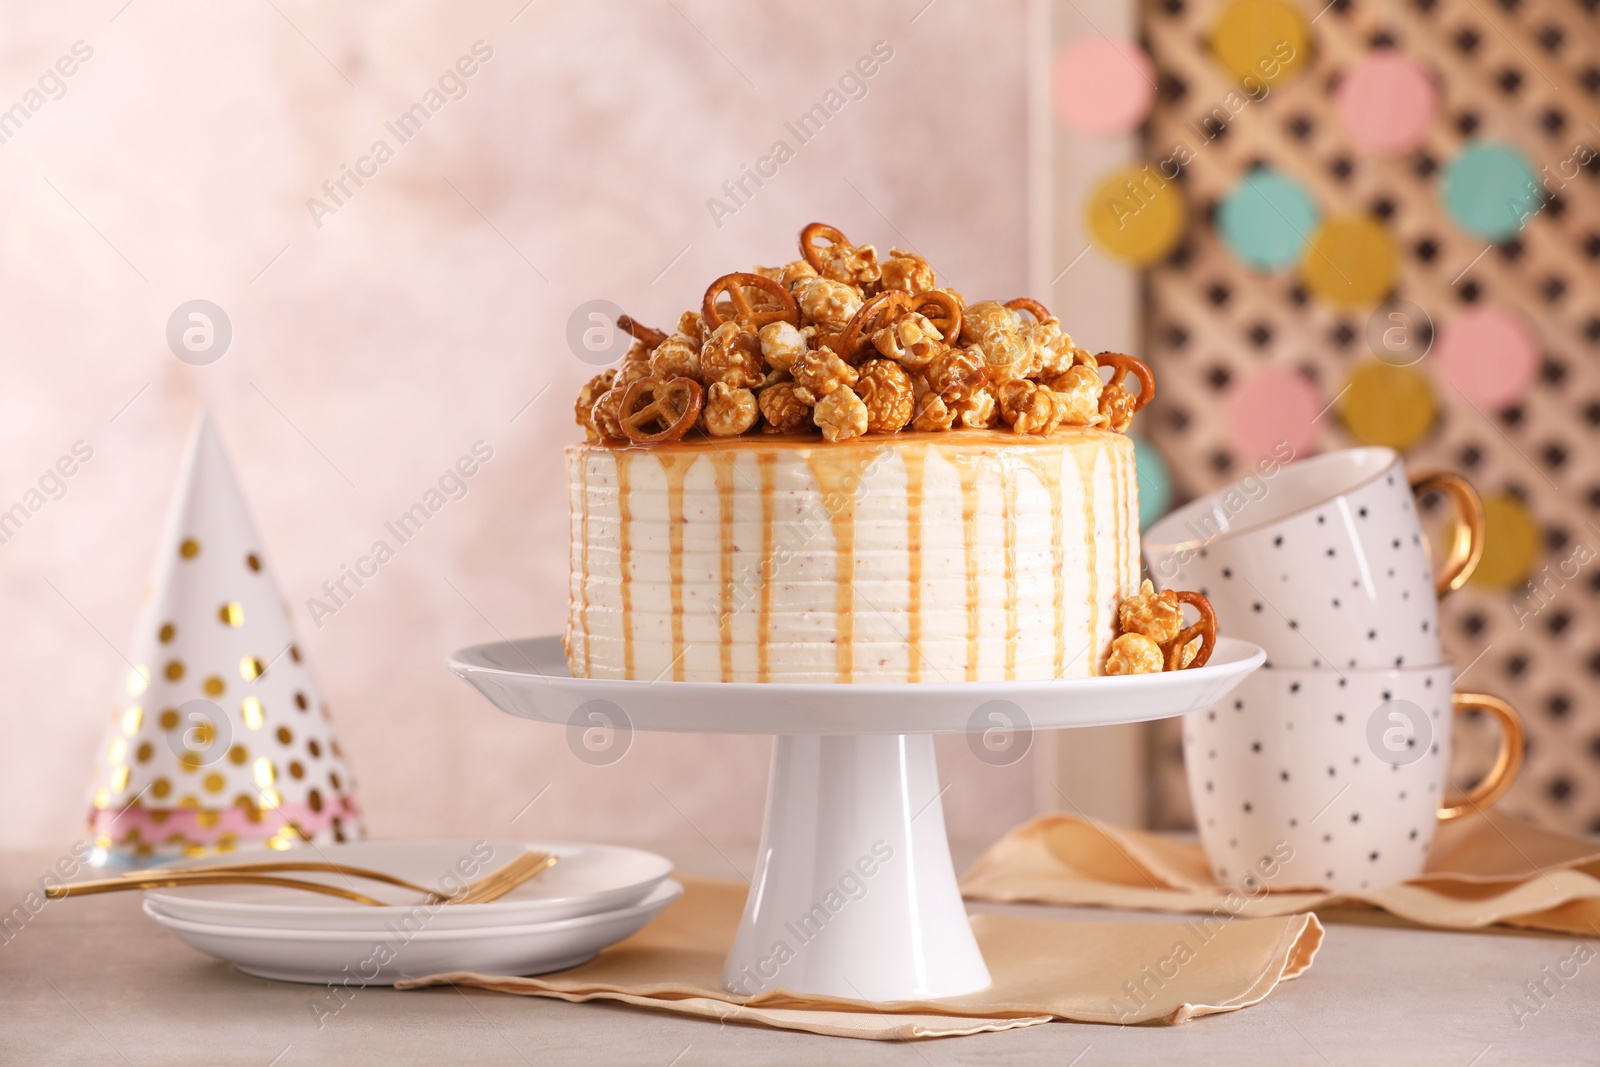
854	893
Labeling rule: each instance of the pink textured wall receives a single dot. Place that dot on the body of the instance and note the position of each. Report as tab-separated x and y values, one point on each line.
374	344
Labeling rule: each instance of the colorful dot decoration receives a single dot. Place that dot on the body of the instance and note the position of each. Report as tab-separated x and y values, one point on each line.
1267	219
1102	85
1261	41
1351	262
1382	404
1511	543
1155	481
1490	190
1136	216
1386	102
1272	407
1489	353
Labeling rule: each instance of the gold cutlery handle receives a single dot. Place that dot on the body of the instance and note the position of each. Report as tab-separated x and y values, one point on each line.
165	881
269	866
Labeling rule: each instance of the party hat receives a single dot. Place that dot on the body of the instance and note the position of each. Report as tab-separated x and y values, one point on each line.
218	740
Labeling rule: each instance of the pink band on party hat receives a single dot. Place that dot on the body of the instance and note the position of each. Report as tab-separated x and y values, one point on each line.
220	828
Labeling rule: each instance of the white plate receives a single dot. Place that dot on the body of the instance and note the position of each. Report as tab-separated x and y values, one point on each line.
529	678
588	879
354	959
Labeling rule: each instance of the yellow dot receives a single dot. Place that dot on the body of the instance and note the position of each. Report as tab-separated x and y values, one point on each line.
1135	215
208	819
301	702
189	800
160	787
277	843
214	686
119	749
189	549
169	719
314	798
1387	405
269	801
145	752
313	748
173	670
251	668
119	777
1511	543
264	774
231	613
295	770
333	780
189	761
138	680
227	841
253	561
214	782
103	841
167	632
203	734
284	736
1261	42
102	798
1350	262
294	653
132	716
250	708
238	753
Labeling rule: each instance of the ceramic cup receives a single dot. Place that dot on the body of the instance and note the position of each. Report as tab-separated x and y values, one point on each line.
1322	562
1346	769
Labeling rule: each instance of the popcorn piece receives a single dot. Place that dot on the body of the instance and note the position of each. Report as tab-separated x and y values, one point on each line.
1116	407
1134	654
841	414
1029	407
907	271
637	353
1053	349
795	270
676	357
996	331
852	264
1079	389
820	373
729	410
930	411
886	391
584	409
732	355
774	273
786	407
826	304
956	373
692	326
1158	616
911	341
607	414
978	410
782	344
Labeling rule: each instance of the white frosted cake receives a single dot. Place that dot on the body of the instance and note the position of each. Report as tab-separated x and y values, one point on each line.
977	556
837	471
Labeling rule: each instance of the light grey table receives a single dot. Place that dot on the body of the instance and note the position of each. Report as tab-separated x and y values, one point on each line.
91	981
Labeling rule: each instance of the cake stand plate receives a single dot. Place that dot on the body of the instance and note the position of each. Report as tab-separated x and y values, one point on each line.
854	893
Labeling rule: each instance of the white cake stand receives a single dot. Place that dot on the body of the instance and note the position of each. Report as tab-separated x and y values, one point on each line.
854	892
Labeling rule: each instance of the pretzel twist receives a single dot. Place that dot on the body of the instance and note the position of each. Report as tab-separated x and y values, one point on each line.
648	336
947	318
809	250
1205	629
871	317
745	313
672	405
1031	306
1123	365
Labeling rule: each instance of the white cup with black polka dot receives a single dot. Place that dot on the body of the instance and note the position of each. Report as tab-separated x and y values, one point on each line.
1322	562
1347	768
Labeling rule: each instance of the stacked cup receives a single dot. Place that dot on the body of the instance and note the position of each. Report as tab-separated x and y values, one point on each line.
1337	750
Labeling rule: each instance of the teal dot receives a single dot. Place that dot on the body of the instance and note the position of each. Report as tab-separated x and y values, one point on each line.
1491	190
1267	219
1155	482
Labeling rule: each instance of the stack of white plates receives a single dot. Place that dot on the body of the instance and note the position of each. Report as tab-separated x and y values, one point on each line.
594	896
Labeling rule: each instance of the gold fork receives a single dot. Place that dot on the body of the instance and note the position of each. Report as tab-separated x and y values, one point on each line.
491	886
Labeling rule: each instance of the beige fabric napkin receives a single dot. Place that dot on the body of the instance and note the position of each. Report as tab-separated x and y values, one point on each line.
1483	869
1107	972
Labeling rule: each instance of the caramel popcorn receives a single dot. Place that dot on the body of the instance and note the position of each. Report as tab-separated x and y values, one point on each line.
825	303
729	410
907	271
768	349
841	415
1134	654
911	341
1158	616
886	391
820	373
781	344
785	408
732	355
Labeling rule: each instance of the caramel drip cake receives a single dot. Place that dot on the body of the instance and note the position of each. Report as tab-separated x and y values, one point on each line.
835	471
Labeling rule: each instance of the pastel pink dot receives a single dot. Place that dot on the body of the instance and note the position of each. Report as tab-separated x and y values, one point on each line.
1386	102
1275	406
1490	354
1102	85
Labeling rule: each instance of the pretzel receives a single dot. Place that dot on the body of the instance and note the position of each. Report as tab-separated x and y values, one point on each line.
744	312
1123	365
871	317
1205	629
1031	306
948	320
661	408
645	335
810	252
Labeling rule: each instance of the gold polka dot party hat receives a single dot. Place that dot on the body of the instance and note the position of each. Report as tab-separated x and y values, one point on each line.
218	739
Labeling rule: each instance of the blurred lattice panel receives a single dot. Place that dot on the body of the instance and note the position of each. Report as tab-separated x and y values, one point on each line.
1525	72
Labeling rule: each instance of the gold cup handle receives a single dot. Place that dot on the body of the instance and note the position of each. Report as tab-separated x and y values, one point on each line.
1466	542
1506	764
